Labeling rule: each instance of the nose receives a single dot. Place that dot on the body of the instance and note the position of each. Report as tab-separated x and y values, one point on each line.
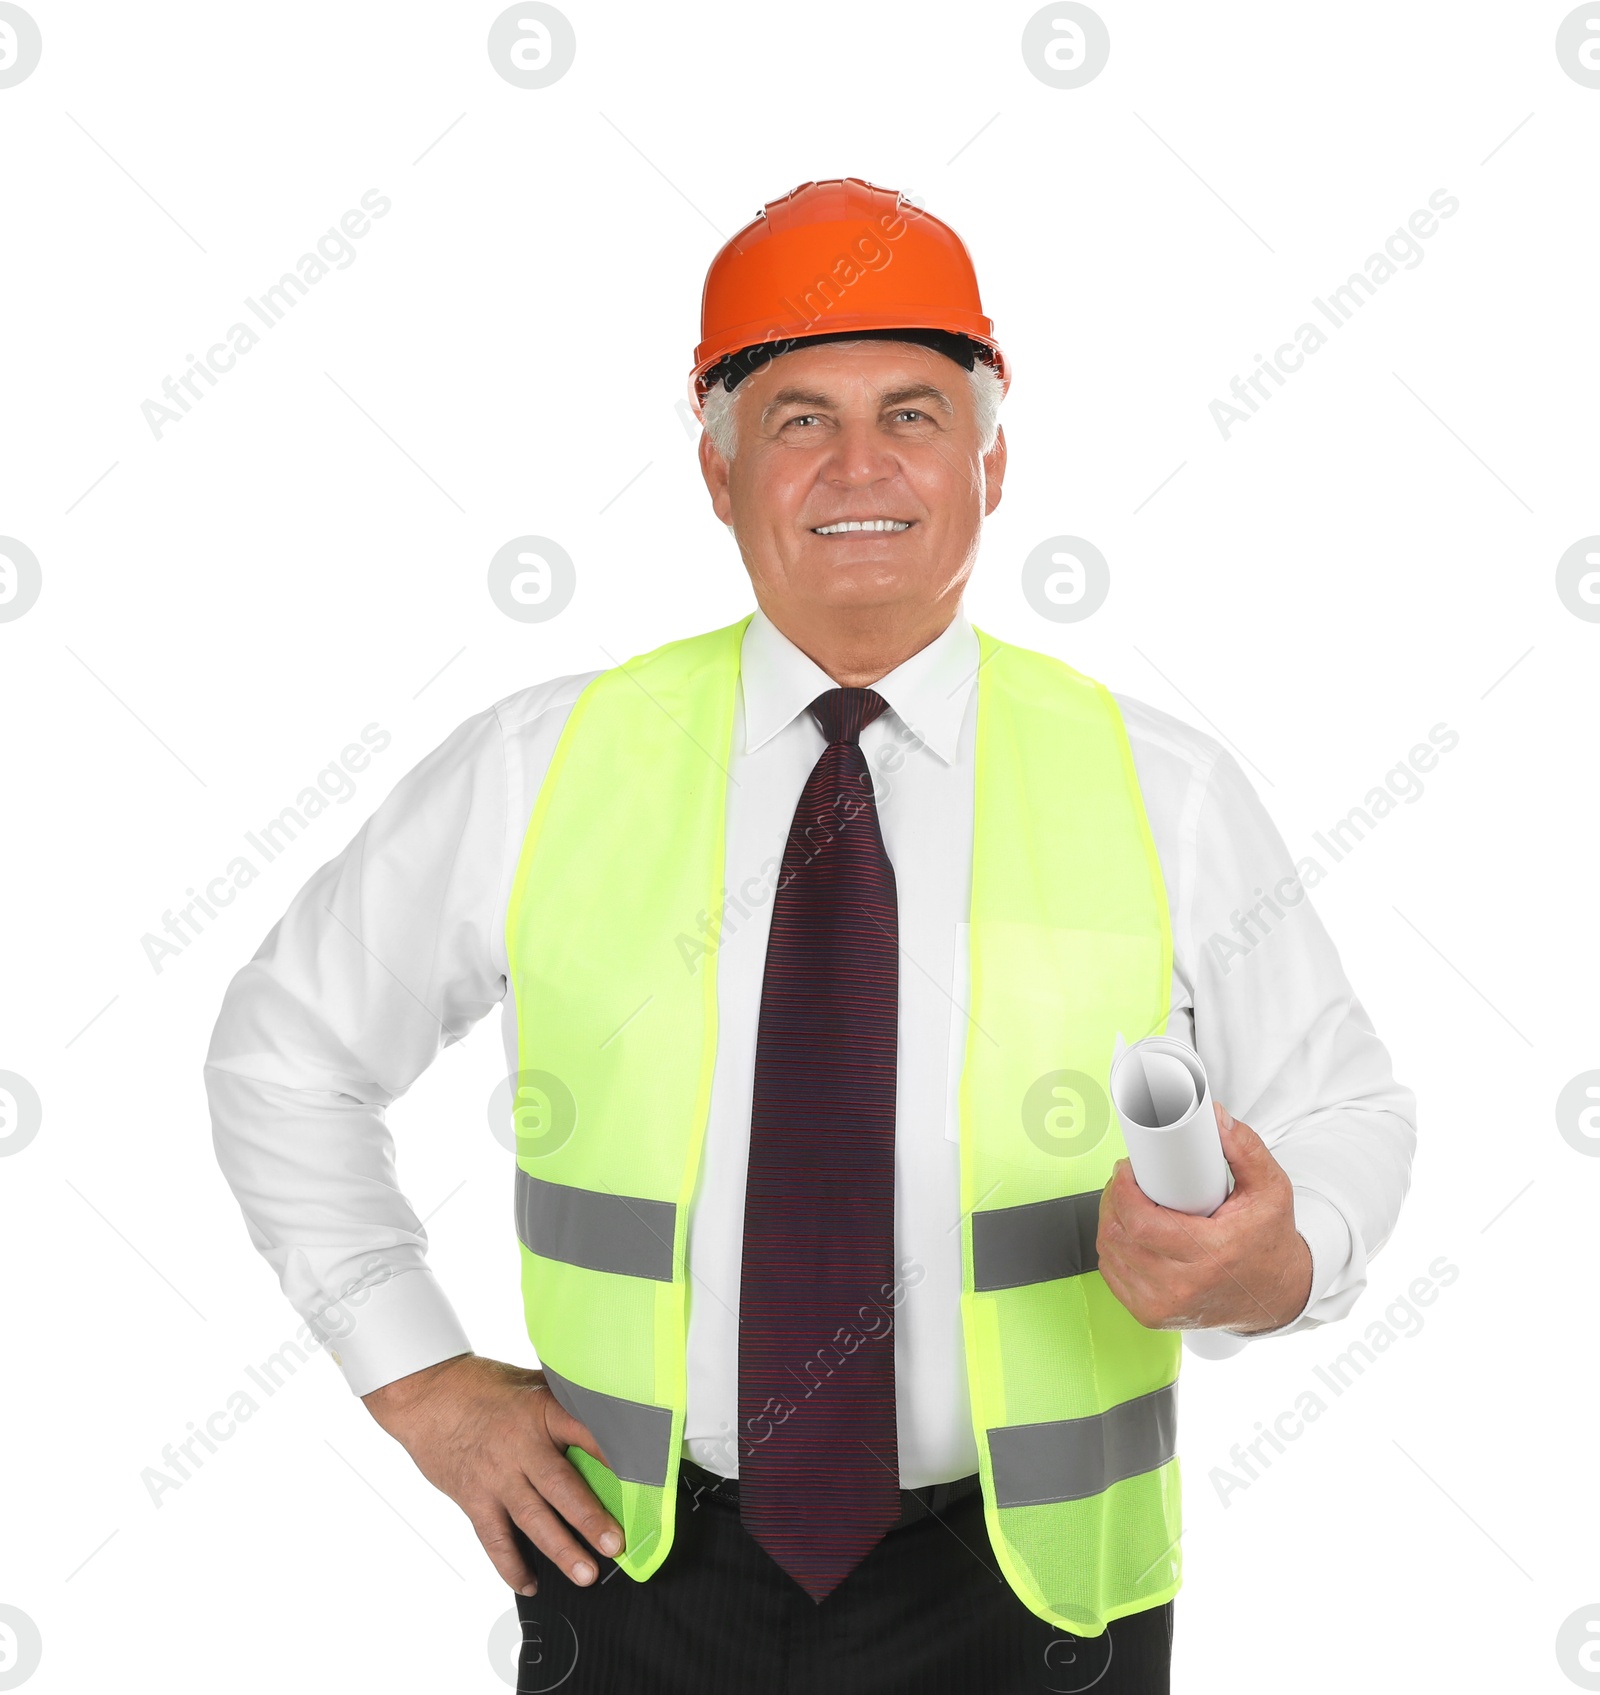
858	456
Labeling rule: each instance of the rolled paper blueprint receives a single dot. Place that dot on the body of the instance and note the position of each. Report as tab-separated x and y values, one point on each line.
1163	1098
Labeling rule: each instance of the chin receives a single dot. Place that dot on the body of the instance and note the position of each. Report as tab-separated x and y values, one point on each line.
864	585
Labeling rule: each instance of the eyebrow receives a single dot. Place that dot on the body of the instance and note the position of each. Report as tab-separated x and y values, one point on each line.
891	397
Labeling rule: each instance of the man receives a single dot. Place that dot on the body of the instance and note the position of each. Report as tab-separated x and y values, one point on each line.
814	935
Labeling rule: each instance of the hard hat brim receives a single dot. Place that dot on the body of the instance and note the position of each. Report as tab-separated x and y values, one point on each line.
760	345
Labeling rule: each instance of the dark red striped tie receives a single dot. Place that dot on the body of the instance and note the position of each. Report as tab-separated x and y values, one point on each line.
819	1471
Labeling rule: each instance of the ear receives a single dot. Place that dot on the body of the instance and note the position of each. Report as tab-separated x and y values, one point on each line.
994	472
714	468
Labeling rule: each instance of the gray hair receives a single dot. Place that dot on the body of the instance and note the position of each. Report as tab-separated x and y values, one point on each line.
987	390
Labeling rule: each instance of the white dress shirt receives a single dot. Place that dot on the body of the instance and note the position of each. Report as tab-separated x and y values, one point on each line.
396	947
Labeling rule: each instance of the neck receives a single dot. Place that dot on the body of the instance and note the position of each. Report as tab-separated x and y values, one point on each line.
858	645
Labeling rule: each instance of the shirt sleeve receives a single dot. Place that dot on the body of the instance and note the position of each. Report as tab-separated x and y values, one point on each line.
1288	1047
386	956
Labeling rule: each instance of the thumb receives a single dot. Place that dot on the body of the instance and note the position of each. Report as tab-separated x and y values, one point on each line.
565	1430
1248	1157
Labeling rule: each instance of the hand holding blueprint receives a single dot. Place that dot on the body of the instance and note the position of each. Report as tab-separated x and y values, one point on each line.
1163	1099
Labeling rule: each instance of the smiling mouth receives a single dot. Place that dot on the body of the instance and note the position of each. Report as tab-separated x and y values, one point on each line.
885	526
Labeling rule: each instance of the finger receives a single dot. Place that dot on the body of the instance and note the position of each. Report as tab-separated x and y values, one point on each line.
552	1533
1131	1268
1113	1228
1111	1272
566	1430
1109	1196
1156	1233
561	1486
1143	1296
1159	1292
1157	1268
1122	1199
1123	1204
1124	1185
493	1530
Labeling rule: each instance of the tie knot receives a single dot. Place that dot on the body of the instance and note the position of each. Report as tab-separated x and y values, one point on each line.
844	713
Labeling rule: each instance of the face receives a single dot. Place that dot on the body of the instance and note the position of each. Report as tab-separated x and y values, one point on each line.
866	431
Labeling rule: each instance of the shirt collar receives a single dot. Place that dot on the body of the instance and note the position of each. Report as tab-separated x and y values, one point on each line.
927	692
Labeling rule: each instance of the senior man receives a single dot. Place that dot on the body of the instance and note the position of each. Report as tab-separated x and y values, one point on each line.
858	1343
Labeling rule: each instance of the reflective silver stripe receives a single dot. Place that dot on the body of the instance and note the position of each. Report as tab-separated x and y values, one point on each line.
1012	1246
634	1436
601	1232
1070	1458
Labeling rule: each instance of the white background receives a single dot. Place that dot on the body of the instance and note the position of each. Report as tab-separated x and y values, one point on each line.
305	553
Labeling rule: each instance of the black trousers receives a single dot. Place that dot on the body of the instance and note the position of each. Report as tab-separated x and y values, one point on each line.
927	1612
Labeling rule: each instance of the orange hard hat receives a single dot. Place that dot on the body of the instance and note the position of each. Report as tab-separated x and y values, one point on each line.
832	259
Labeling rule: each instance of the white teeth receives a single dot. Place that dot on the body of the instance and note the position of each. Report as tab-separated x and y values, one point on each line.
868	524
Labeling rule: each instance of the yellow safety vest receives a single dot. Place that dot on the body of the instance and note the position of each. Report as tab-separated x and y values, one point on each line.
1073	1401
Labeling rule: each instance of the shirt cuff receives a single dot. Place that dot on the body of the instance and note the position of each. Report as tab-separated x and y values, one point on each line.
1325	1232
403	1324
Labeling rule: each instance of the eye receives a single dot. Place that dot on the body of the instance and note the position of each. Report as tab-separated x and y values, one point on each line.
911	412
802	418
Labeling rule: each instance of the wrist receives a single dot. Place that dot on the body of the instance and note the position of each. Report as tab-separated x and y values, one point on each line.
396	1401
1294	1292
